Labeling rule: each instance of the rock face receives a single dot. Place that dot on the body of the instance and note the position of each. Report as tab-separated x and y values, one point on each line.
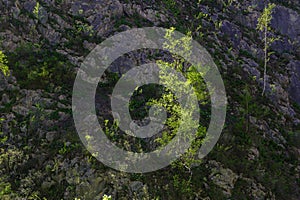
287	21
41	155
294	89
222	177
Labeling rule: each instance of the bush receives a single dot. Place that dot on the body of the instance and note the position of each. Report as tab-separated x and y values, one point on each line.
37	68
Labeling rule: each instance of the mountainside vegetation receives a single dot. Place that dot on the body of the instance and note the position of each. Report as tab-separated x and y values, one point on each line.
254	43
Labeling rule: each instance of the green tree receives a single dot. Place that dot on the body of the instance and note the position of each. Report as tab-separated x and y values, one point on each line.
177	113
168	100
263	25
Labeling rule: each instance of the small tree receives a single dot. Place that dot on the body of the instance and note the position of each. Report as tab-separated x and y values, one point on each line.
263	25
3	64
168	100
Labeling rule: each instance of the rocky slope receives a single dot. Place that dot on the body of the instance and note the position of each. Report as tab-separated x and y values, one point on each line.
41	156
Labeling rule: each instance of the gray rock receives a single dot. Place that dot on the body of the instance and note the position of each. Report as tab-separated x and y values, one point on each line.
252	71
43	15
121	65
253	153
136	186
287	22
222	177
3	82
138	190
232	31
29	5
256	190
53	36
294	88
31	97
5	99
21	110
50	136
283	45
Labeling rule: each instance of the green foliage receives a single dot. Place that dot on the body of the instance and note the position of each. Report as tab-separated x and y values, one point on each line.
172	6
3	138
64	149
10	161
84	28
146	96
200	16
105	197
169	101
59	1
5	186
3	64
246	100
36	10
265	18
37	68
5	189
138	103
182	185
112	130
